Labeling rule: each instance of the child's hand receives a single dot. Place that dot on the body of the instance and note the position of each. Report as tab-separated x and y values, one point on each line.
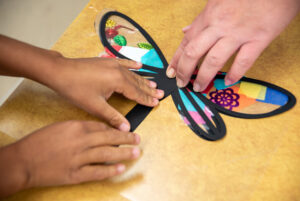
65	153
89	82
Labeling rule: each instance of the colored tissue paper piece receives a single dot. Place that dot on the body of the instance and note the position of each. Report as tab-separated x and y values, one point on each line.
198	101
192	110
110	23
146	71
146	46
133	53
151	58
220	84
116	47
208	113
252	90
188	105
120	40
244	101
106	56
262	93
274	97
197	118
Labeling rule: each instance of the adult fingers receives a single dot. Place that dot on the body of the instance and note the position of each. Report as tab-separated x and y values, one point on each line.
171	70
246	57
108	154
190	32
193	51
214	61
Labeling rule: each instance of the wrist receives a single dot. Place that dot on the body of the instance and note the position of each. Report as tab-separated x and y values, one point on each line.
13	172
50	69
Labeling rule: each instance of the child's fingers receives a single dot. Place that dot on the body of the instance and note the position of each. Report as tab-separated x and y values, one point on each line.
112	136
147	86
138	91
108	154
129	64
94	126
97	172
100	108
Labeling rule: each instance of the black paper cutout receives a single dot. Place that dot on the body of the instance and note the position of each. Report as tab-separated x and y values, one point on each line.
214	127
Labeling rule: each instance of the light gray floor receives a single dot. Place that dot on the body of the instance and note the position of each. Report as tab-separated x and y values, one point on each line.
38	22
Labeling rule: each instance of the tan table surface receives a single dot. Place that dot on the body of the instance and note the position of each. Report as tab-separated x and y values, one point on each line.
257	160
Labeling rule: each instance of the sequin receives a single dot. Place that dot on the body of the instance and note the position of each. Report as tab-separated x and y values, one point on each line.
145	46
110	23
120	40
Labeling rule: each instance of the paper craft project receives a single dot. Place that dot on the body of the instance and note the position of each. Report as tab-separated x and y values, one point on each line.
249	98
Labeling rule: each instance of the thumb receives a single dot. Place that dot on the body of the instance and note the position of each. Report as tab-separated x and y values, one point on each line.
113	117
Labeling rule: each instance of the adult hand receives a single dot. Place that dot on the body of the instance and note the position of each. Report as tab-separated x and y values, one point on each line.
223	28
65	153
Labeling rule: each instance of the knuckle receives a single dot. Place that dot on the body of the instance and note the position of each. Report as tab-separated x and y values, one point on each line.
214	61
140	82
75	124
112	136
100	174
127	153
148	99
244	62
113	119
130	138
109	172
191	51
118	73
181	74
105	154
75	177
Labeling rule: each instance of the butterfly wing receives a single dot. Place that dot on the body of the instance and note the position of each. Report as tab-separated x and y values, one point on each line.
124	38
248	98
203	119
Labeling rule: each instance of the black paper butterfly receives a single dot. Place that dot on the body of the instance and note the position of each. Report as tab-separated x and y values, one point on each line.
248	98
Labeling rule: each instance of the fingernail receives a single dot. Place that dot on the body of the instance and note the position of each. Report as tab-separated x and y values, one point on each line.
228	82
124	127
135	152
121	168
179	83
170	72
186	28
155	101
152	84
137	139
139	64
160	92
197	87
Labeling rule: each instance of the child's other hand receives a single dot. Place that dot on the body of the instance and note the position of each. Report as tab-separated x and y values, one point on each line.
89	82
65	153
